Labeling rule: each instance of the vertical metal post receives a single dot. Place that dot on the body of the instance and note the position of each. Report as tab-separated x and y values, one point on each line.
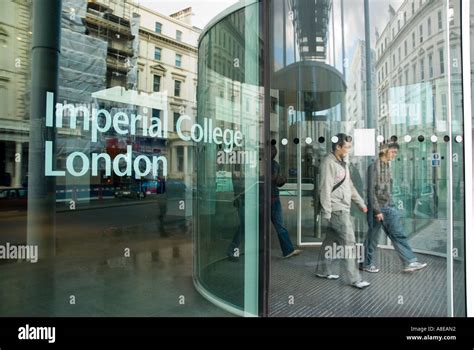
44	77
468	155
333	37
265	175
369	123
449	216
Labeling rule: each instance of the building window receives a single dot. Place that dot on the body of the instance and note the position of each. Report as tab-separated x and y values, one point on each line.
405	48
156	83
180	158
3	97
393	61
444	105
430	65
176	116
177	88
440	20
421	33
393	33
178	60
422	69
399	24
158	27
451	16
399	54
404	17
157	54
155	113
429	26
179	35
406	76
413	39
412	8
414	73
441	61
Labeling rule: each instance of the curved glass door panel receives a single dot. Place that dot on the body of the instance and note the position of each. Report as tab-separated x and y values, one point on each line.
226	205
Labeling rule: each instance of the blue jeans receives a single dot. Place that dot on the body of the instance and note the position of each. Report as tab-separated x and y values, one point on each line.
277	221
394	230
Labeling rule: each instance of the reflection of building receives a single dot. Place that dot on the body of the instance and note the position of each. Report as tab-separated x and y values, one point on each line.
15	41
356	97
356	100
412	86
99	50
167	62
411	68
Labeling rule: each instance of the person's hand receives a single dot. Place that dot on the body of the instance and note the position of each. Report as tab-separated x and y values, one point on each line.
325	222
364	210
379	217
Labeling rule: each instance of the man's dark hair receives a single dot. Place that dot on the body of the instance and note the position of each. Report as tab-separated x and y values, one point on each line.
341	140
392	145
389	145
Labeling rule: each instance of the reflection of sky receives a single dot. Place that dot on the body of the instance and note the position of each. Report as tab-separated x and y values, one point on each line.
203	10
354	25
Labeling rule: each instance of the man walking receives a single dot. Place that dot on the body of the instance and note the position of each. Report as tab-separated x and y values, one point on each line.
383	214
336	193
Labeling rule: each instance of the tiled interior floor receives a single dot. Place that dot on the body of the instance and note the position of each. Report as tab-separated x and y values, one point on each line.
392	293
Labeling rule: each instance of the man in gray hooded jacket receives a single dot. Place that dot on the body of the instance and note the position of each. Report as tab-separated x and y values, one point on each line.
336	194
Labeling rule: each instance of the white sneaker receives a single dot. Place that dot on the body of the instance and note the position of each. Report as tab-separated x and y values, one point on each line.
360	284
293	253
329	277
414	266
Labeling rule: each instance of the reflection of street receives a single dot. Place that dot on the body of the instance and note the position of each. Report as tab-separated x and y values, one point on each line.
96	217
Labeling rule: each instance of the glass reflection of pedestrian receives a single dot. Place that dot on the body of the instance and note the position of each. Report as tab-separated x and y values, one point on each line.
162	211
384	214
336	194
238	183
277	215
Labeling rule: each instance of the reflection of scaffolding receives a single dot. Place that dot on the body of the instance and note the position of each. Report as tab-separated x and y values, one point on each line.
311	20
117	23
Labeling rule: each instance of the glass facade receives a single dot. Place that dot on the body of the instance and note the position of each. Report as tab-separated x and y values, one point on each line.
96	189
148	168
389	80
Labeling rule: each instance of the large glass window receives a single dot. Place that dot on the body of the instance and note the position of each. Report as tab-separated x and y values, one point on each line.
88	189
344	87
